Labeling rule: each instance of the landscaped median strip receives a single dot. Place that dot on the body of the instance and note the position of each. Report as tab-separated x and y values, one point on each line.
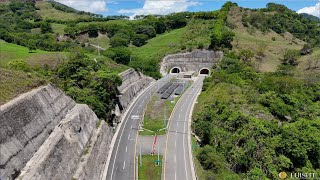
150	167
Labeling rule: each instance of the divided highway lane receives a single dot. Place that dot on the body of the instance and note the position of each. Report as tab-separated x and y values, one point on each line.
177	156
121	166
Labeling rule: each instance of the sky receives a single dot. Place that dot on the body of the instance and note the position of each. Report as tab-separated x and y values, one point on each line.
139	7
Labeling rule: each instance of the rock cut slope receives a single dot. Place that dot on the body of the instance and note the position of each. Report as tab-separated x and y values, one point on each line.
46	135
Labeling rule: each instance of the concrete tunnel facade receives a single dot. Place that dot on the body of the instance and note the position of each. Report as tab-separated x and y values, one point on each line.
199	61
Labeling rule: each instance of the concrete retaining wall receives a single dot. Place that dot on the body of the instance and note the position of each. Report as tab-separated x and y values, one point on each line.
190	61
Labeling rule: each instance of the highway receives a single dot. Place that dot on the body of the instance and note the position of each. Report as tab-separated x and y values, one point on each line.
122	161
178	164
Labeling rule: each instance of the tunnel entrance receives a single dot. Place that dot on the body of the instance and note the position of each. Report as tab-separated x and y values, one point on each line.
175	70
204	71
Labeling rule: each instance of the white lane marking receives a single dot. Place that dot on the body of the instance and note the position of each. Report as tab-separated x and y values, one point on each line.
129	137
184	150
124	165
137	111
126	149
131	126
175	175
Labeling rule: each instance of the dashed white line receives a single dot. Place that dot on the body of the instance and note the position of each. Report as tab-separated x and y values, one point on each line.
129	137
124	165
126	149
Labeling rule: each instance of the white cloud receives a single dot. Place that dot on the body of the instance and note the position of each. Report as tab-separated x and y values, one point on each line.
160	7
313	10
94	6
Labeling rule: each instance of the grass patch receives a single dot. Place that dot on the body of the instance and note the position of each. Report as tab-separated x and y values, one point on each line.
58	28
149	170
270	44
161	45
154	115
11	52
48	12
102	40
14	83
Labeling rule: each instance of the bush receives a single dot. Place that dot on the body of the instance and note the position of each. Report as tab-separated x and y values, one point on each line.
119	40
290	57
19	65
146	30
139	40
119	54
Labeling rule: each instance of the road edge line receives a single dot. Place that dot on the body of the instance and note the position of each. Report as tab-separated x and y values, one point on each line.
167	134
191	159
114	138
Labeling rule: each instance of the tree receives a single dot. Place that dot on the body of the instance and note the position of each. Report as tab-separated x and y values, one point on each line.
290	57
147	30
119	39
31	45
46	27
139	40
119	54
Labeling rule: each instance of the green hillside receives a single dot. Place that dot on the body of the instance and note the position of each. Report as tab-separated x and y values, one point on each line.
258	113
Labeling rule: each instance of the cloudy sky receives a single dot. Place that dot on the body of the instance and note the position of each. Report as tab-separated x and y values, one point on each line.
137	7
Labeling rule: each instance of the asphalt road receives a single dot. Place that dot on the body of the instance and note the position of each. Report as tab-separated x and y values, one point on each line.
121	166
177	155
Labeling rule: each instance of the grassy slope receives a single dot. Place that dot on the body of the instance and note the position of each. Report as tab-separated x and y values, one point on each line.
58	28
13	83
10	52
47	11
161	45
257	41
178	40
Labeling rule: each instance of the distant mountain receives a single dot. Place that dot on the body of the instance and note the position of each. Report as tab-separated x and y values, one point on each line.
311	17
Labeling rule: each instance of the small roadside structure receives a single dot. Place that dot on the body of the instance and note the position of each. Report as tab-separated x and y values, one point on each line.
188	74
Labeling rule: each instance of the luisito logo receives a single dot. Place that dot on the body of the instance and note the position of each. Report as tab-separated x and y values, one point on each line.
299	175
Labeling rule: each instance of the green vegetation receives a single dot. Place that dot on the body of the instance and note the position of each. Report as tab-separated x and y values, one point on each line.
48	10
14	83
284	20
38	58
149	170
154	115
256	125
90	82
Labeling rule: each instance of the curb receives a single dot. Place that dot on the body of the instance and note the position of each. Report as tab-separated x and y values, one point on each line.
114	138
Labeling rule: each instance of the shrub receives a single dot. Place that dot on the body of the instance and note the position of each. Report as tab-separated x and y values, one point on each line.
19	65
139	40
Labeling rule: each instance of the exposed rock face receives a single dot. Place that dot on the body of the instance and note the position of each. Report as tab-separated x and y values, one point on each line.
46	135
132	83
25	123
190	61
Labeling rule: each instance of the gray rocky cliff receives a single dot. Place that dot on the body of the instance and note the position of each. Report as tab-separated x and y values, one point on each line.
46	135
132	83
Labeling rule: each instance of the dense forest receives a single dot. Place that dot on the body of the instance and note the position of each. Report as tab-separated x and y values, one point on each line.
256	125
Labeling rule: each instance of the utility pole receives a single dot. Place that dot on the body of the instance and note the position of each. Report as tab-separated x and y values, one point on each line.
98	50
165	114
140	156
158	155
